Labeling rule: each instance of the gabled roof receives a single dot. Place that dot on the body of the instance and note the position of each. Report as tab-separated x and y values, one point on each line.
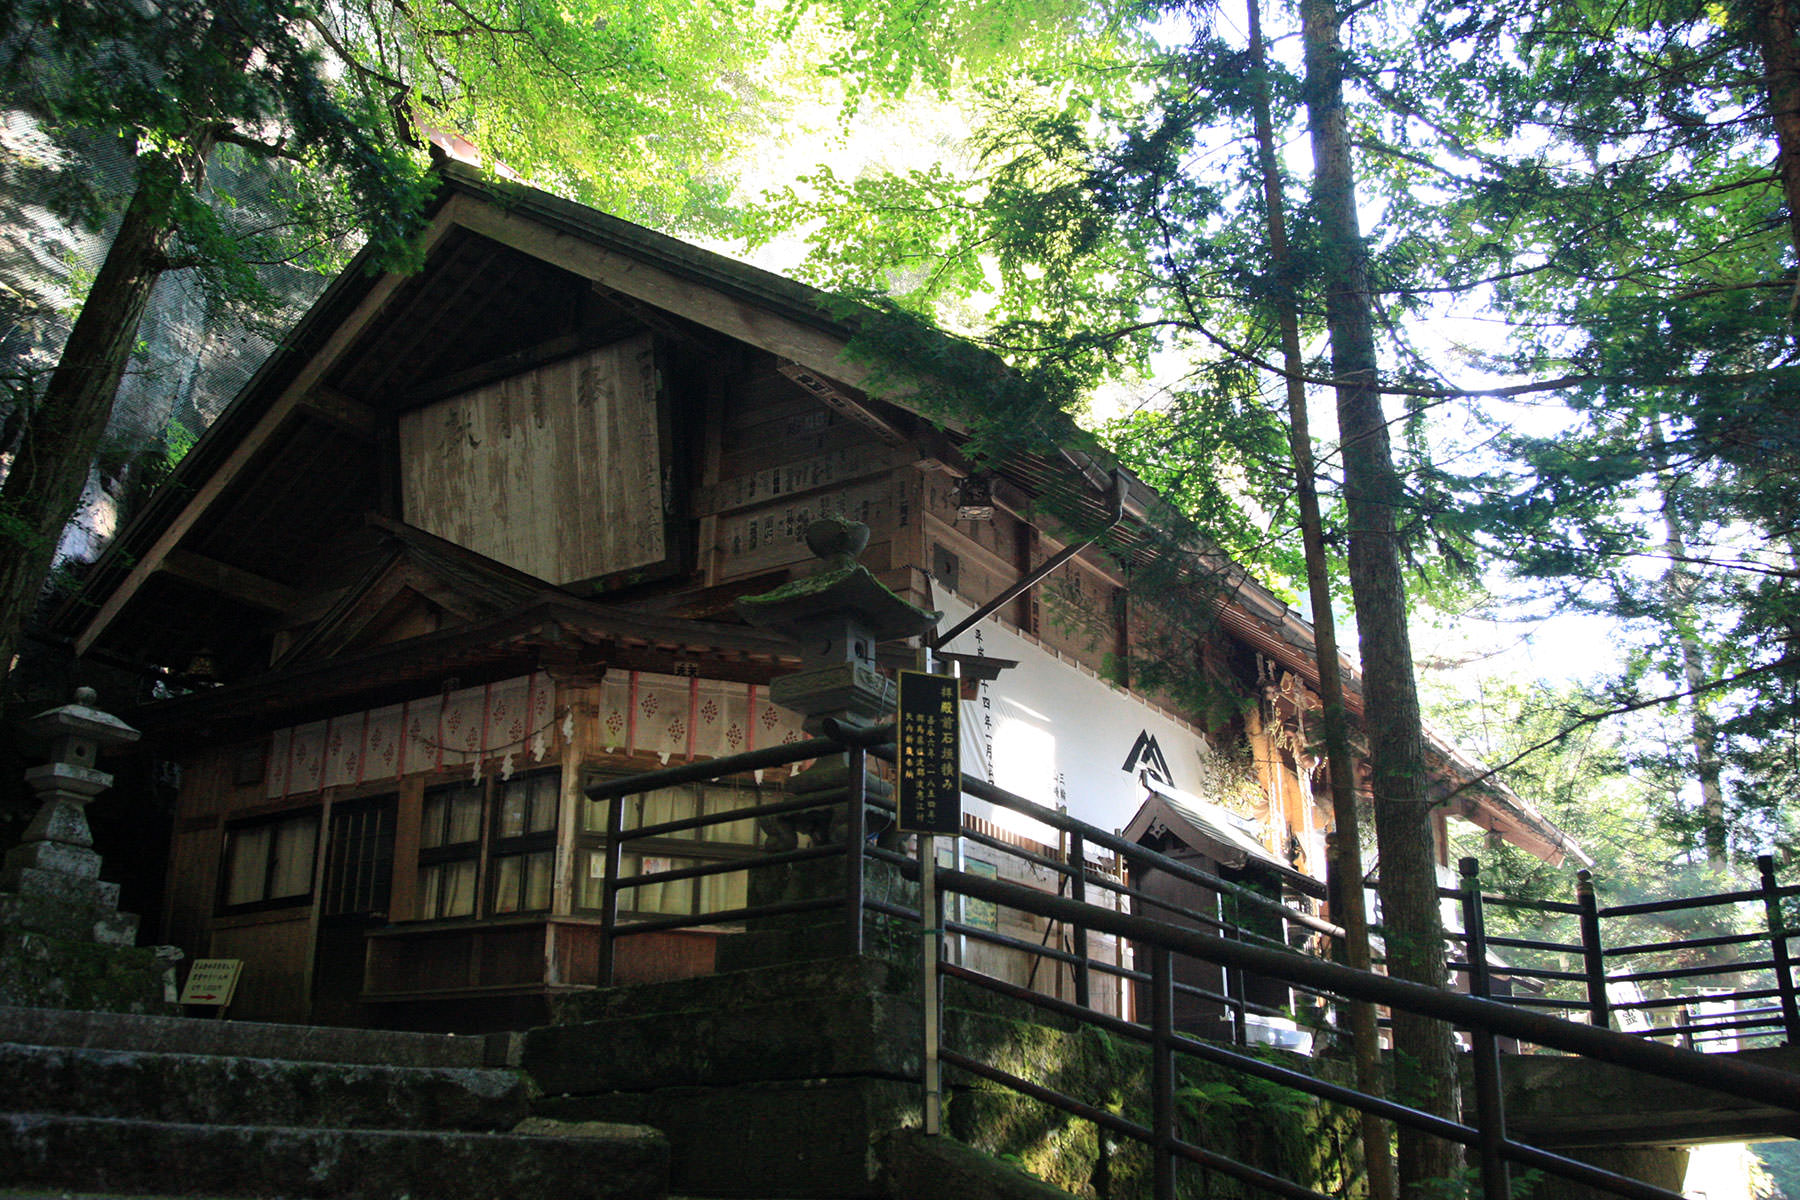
1207	828
416	572
296	450
305	426
234	535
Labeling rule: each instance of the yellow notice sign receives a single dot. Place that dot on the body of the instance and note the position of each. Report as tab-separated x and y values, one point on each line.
212	981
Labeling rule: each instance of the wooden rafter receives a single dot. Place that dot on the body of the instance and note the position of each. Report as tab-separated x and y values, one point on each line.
335	408
233	582
304	383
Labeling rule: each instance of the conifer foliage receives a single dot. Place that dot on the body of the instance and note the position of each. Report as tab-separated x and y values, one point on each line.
1543	257
614	103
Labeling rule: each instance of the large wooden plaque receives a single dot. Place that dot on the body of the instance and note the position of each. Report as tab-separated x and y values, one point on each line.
560	471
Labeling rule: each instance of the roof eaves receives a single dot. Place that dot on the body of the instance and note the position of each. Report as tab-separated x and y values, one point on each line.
796	301
219	440
546	618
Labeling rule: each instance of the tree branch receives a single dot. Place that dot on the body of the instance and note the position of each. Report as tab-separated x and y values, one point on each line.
350	61
1583	720
257	146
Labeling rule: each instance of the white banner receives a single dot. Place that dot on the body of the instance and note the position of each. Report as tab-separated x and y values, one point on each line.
1058	735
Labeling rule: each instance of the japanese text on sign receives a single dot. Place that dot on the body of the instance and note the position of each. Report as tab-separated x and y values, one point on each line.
212	981
930	762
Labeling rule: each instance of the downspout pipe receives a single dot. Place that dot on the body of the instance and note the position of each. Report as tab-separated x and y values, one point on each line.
1121	485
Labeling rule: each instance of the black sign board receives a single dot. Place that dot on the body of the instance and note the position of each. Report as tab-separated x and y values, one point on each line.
930	765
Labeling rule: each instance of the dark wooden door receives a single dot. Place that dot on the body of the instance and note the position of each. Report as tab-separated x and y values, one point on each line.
359	878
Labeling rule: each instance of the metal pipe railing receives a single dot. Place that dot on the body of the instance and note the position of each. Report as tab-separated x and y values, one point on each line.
1608	963
878	739
860	740
1484	1048
1485	1019
1748	1080
1233	949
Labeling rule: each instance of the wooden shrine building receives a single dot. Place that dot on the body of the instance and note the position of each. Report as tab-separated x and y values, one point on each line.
471	538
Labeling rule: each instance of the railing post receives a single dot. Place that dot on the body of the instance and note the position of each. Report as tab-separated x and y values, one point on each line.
1101	1178
1077	865
1490	1101
856	836
609	889
931	921
1778	947
1592	960
1365	1035
1162	1071
1235	992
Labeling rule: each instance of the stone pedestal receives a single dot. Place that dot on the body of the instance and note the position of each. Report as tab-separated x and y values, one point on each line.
63	941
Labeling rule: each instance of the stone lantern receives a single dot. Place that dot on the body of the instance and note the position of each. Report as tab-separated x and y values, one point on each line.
63	940
57	849
836	616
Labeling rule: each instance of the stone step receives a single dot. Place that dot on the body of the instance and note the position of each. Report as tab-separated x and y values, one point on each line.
835	1018
818	1138
195	1088
48	1193
65	1194
124	1156
250	1039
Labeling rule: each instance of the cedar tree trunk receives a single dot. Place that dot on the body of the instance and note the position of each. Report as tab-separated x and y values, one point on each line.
1340	762
1678	587
1424	1067
1778	39
66	423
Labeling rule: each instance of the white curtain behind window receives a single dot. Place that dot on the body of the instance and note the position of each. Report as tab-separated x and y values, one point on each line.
292	871
246	864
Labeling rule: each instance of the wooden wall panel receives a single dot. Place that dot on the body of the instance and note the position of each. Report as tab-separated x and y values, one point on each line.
1076	614
773	477
789	436
1149	638
403	901
784	460
558	472
968	567
273	987
769	536
1074	611
437	961
513	954
656	957
761	394
207	776
1003	541
193	887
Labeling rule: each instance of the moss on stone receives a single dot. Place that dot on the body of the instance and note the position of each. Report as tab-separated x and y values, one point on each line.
1265	1125
40	971
812	585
